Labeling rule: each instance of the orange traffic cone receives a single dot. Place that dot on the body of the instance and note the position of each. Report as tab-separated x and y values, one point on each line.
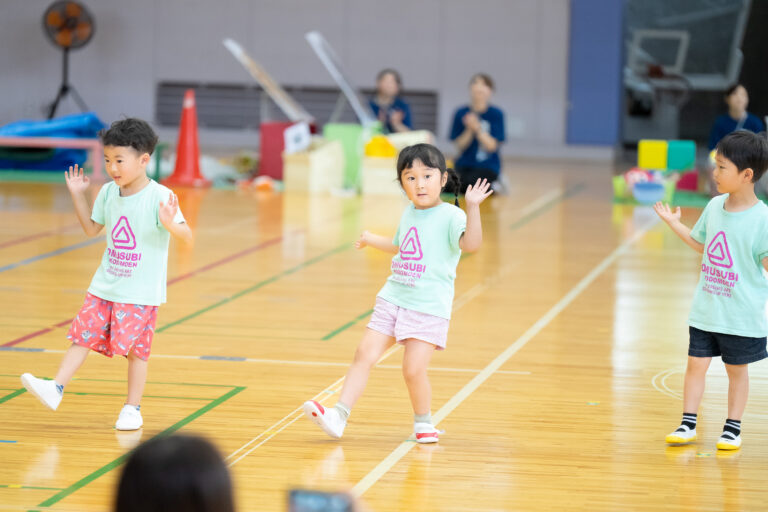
186	173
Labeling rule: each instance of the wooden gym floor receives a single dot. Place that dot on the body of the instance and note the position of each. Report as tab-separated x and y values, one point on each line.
563	371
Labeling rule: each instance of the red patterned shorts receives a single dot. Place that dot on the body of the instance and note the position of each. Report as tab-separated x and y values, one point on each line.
114	328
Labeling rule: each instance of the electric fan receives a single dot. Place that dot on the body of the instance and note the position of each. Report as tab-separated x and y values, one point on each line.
69	26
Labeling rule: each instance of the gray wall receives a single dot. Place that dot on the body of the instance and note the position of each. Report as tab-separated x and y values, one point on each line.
436	44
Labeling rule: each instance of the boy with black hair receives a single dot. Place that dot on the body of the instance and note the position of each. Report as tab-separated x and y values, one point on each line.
728	316
120	309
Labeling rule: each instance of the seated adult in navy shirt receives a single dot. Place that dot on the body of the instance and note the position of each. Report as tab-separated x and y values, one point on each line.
737	117
387	105
477	132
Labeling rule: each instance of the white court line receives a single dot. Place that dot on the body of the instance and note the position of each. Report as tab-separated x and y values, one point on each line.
398	453
669	390
271	430
659	383
288	362
298	413
458	304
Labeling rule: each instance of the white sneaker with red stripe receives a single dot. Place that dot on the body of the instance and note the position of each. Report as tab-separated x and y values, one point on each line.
327	418
426	433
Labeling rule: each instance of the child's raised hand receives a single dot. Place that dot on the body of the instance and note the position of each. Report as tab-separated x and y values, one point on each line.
77	181
665	212
362	241
168	210
477	194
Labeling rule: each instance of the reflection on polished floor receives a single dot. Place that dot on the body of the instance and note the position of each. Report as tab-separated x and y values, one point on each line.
562	376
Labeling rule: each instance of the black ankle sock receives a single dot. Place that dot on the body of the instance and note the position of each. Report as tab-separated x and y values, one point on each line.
732	427
689	420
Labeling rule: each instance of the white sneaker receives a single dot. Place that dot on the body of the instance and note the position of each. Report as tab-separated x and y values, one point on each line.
728	442
129	419
426	433
44	390
327	418
682	435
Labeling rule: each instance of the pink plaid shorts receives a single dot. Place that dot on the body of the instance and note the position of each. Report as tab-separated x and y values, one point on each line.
114	328
403	324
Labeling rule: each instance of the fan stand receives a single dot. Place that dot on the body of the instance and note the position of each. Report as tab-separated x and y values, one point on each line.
66	88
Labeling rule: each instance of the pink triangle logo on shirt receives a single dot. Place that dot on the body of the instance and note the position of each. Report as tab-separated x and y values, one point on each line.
122	235
410	249
718	252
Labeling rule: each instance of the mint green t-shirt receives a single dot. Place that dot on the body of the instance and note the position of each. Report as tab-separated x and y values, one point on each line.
134	267
732	291
424	269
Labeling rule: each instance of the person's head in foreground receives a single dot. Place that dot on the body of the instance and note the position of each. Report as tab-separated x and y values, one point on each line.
179	473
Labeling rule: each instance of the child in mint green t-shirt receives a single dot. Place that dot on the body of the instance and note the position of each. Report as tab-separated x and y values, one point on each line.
120	309
728	316
414	306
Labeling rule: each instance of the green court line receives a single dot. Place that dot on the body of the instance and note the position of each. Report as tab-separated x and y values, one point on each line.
346	326
12	395
30	487
570	192
120	460
257	286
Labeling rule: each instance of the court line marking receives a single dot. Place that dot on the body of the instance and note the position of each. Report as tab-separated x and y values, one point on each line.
14	394
297	413
50	254
42	234
271	431
277	362
659	382
259	285
227	259
465	392
120	460
30	487
248	250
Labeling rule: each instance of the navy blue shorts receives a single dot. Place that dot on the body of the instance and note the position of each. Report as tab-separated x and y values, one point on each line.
733	349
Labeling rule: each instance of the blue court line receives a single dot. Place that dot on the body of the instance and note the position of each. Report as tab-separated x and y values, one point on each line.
53	253
8	442
21	349
222	358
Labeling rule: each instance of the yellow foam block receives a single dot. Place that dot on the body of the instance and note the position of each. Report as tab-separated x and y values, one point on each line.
652	154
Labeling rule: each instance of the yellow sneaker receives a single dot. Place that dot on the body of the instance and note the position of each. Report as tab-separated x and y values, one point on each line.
682	435
728	441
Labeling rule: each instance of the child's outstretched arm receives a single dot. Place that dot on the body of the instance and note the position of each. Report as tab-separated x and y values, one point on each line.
672	218
167	213
77	183
381	243
472	238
